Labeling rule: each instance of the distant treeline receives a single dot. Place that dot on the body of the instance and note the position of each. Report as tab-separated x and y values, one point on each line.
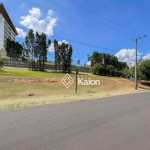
106	64
35	49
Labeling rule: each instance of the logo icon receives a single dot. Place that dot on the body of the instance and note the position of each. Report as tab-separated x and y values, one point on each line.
67	80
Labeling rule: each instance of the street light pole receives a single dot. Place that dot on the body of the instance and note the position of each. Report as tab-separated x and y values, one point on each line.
136	54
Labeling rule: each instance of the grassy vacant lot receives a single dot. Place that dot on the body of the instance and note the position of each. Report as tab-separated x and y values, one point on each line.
22	88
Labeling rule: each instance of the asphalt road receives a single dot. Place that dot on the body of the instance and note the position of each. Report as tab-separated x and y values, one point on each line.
115	123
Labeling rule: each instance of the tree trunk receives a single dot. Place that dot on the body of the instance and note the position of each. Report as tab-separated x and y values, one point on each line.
43	65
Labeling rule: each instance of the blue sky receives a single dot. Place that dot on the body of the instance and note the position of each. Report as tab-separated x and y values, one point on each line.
103	23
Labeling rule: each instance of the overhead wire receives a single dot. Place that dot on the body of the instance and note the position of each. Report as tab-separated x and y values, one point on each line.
74	41
102	16
146	44
82	22
88	25
87	17
71	40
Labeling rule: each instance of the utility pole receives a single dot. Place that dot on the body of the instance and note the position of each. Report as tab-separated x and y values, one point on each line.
136	54
78	63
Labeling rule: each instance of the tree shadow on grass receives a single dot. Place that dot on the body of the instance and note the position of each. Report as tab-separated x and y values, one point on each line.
144	88
145	83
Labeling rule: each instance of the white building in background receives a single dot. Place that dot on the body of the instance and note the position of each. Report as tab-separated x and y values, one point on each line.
7	29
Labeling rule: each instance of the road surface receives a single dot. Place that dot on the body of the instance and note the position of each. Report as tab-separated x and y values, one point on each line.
114	123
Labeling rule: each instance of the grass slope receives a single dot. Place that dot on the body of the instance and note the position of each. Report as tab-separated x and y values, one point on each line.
9	71
23	88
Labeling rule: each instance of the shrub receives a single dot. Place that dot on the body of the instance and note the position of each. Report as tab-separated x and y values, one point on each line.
97	68
1	63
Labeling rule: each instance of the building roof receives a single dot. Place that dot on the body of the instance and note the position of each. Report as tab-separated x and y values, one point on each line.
7	18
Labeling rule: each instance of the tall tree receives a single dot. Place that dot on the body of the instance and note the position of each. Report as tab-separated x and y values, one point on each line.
37	44
66	54
25	53
57	54
30	44
42	45
63	54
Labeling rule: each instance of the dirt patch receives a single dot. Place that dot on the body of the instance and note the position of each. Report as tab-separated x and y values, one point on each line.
45	80
28	91
51	80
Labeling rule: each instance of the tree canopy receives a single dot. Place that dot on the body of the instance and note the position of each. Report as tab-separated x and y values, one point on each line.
13	49
37	45
63	54
106	64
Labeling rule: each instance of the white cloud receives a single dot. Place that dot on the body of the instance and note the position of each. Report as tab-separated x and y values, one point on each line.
49	14
63	41
21	33
146	57
127	55
35	12
33	21
88	63
51	47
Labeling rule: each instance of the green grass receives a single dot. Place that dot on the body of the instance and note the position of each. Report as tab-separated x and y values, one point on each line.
17	90
28	73
19	72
